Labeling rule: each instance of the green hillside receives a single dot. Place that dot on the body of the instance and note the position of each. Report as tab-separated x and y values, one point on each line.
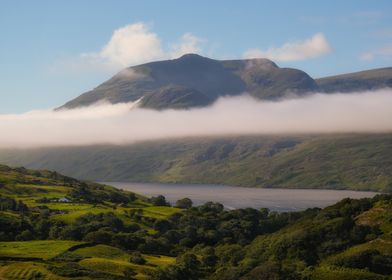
103	233
358	162
323	245
50	226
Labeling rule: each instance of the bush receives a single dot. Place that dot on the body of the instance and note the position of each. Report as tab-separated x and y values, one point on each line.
137	258
159	200
184	203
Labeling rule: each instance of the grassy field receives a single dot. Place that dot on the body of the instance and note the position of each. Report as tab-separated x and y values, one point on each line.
27	271
45	249
103	251
30	193
114	261
333	272
160	212
100	258
109	252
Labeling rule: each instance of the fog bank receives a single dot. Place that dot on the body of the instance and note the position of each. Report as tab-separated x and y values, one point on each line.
368	112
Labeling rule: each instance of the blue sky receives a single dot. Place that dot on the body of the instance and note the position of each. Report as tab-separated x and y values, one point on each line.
52	51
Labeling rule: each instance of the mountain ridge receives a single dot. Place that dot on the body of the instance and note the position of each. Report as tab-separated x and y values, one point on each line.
206	78
196	81
371	79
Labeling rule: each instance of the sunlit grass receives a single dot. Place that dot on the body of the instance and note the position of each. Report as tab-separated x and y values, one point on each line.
44	249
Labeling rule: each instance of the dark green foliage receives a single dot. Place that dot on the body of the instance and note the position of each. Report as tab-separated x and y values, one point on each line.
187	267
184	203
162	225
137	258
159	200
7	203
368	259
129	274
98	194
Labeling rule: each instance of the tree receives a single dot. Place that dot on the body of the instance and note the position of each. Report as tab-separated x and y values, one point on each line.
162	225
184	203
99	236
159	200
24	235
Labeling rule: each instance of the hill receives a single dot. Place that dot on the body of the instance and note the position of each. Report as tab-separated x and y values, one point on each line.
193	80
103	237
358	81
40	211
358	162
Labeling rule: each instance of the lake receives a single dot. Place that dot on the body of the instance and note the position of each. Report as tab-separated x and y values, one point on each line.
240	197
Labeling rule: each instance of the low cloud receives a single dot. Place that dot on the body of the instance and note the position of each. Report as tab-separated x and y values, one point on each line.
310	48
368	112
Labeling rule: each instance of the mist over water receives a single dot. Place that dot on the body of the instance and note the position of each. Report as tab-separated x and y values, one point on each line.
367	112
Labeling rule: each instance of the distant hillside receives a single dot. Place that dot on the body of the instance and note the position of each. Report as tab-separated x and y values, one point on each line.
358	81
360	162
193	80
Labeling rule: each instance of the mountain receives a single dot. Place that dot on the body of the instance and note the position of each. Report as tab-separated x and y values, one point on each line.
359	162
193	80
196	81
358	81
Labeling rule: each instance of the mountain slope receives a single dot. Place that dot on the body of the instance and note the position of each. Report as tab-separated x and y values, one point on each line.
358	81
361	162
203	78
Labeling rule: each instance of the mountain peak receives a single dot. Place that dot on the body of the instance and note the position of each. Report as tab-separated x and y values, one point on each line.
191	56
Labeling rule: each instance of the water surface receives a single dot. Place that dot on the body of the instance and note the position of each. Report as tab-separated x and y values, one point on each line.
240	197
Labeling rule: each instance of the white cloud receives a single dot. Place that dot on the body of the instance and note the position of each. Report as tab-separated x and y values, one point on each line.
382	52
188	43
293	51
131	45
368	112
